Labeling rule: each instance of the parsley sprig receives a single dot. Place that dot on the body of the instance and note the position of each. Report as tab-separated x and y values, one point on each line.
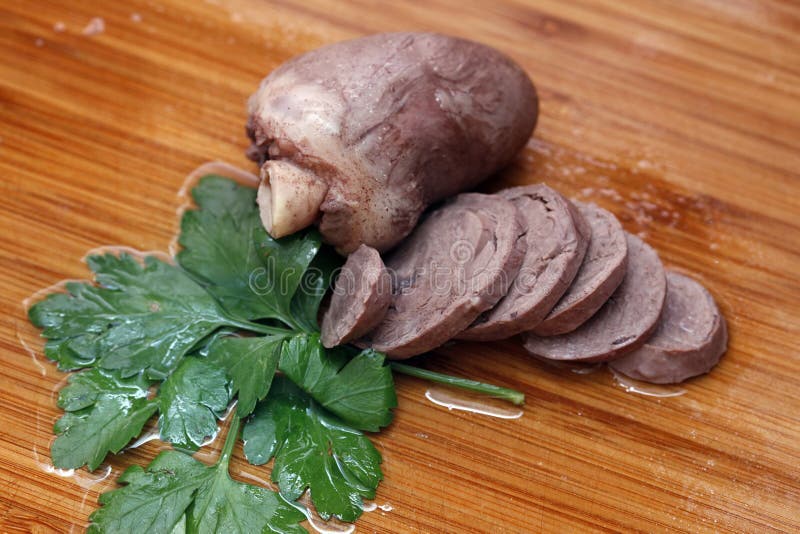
182	341
178	493
234	319
313	449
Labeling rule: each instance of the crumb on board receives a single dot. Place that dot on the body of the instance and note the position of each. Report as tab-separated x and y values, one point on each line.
96	26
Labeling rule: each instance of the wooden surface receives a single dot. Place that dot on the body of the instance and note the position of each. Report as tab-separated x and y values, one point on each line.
681	117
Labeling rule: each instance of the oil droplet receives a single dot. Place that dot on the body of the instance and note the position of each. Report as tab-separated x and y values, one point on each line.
29	339
586	369
260	481
372	506
32	342
88	479
643	388
82	477
144	438
575	367
472	402
63	473
331	526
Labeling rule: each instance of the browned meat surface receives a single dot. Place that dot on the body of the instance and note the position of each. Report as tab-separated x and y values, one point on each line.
557	238
690	339
361	296
361	136
458	263
601	272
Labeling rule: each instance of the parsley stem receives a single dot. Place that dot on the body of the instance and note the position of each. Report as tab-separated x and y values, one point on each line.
258	328
230	441
511	395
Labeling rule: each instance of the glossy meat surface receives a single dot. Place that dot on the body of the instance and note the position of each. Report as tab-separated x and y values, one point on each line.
377	128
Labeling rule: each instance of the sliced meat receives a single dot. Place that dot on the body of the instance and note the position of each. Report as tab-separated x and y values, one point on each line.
601	272
623	323
690	339
458	263
361	296
557	238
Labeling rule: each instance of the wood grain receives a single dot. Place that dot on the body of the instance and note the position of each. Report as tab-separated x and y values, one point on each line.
682	118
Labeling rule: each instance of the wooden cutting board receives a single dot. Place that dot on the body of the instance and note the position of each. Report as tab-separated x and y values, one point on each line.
683	118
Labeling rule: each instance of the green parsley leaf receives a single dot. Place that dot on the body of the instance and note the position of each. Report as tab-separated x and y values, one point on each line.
228	250
313	286
190	400
137	318
68	358
224	505
160	322
250	363
358	387
152	500
104	412
312	449
285	262
178	493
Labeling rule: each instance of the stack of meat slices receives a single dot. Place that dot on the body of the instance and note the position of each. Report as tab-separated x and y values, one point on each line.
564	275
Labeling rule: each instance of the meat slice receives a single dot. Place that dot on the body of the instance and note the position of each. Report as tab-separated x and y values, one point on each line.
690	339
458	263
601	272
623	323
361	136
557	238
361	296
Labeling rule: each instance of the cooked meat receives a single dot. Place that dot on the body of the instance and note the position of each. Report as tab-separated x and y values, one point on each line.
361	136
361	296
690	339
458	263
557	238
600	274
623	323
